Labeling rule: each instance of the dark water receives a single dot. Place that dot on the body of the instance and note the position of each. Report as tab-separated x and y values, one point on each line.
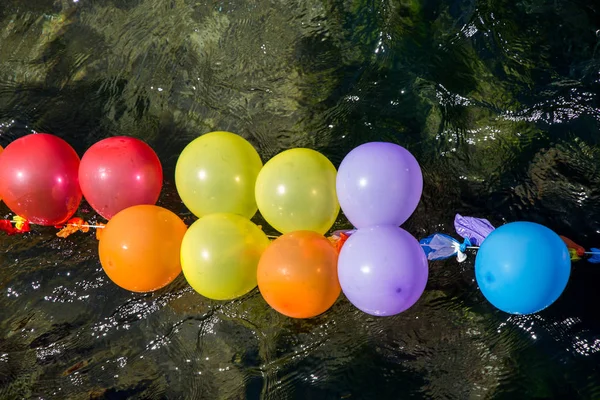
498	99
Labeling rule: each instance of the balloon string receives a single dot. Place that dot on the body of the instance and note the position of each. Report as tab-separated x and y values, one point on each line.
586	252
273	236
76	225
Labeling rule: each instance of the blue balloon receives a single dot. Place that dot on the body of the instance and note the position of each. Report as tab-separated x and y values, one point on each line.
522	267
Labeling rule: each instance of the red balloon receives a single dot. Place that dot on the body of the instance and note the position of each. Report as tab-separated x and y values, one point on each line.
38	179
120	172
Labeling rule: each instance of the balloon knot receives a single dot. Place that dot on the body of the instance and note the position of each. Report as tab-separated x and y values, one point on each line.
464	245
99	230
19	222
338	240
72	226
14	226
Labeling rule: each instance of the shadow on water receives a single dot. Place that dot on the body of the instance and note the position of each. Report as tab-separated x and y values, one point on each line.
497	99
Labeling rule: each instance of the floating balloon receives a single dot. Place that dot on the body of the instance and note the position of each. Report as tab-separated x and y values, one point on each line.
383	270
120	172
220	254
522	267
295	191
297	274
216	173
140	246
379	184
38	179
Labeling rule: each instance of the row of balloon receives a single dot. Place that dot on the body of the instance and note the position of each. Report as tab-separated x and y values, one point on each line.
222	181
220	178
381	269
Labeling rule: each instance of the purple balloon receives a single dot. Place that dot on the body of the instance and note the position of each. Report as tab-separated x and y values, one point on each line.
379	183
382	270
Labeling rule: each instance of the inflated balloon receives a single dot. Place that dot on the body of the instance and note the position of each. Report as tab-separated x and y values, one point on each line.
38	179
220	254
382	270
379	183
295	190
522	267
140	246
216	173
120	172
297	274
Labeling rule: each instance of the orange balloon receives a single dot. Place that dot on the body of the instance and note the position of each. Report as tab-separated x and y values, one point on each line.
140	247
297	274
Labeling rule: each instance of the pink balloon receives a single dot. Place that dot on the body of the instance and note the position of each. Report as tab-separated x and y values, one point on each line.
38	179
118	173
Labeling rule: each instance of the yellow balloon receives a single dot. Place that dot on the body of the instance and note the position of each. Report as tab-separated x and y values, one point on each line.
220	254
295	191
216	173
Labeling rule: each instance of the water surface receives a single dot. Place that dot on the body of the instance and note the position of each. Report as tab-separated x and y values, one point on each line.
497	99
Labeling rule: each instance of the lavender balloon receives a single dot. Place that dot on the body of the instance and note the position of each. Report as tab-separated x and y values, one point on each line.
382	270
379	183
